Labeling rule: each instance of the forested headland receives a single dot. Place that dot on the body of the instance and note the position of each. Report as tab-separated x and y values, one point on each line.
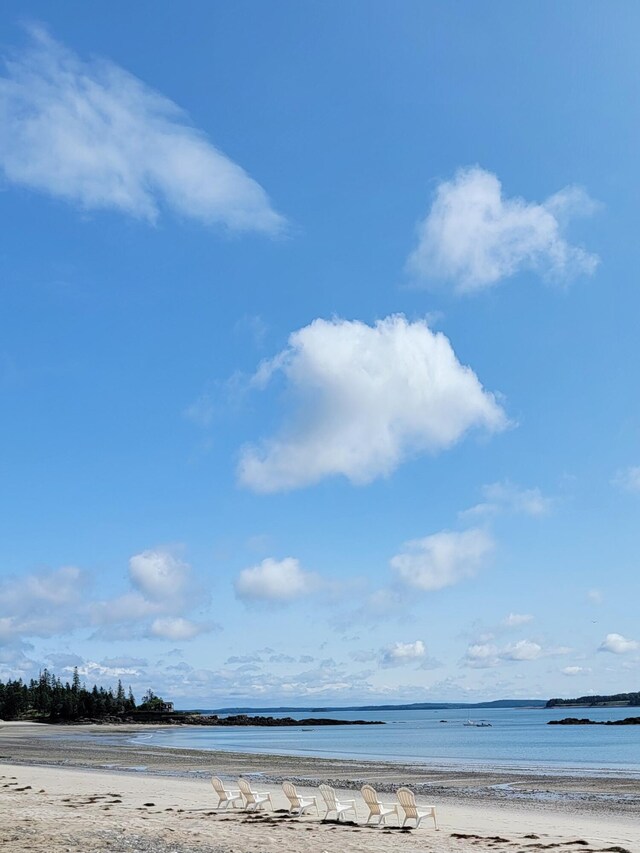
621	699
48	699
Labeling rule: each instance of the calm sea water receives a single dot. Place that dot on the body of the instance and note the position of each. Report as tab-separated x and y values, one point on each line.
517	739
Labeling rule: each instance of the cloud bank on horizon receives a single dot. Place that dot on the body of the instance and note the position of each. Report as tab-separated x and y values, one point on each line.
473	237
92	134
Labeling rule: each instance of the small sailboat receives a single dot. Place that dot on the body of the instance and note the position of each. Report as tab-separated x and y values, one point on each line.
479	724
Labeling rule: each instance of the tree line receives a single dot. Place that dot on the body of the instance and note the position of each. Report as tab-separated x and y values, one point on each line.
47	698
624	698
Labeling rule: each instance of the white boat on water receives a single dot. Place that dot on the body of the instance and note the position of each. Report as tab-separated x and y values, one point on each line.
479	724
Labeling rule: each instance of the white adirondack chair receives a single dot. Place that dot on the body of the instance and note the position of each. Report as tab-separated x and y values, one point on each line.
253	800
407	800
335	805
376	808
298	803
225	795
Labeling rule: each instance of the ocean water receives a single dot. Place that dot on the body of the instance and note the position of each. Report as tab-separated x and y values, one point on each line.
518	739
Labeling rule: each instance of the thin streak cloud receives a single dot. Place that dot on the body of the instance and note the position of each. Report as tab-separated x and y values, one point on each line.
94	135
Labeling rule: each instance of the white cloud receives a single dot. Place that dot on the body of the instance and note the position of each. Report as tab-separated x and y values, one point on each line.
628	478
473	237
618	645
443	559
572	671
595	596
402	653
367	398
522	650
158	574
275	580
59	602
514	620
97	672
486	654
178	628
507	497
481	655
93	134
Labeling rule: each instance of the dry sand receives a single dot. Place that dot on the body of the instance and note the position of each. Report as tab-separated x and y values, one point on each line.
59	796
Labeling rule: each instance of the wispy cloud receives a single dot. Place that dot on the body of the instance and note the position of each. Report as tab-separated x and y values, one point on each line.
94	135
506	497
515	620
41	604
627	478
367	398
443	559
473	236
573	671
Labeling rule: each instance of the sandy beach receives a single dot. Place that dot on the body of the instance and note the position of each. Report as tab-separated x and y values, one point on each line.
79	789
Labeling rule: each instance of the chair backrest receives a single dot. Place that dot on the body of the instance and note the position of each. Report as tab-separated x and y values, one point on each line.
291	794
218	786
245	788
329	796
371	798
407	800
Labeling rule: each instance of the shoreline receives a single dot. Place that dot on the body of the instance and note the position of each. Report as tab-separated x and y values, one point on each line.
109	749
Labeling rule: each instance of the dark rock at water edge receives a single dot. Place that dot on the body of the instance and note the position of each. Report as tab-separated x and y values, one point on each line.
583	721
178	718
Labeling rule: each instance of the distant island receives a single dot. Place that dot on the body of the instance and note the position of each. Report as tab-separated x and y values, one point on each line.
620	700
575	721
187	718
414	706
48	700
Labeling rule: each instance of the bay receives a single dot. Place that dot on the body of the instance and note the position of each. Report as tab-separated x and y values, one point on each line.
518	739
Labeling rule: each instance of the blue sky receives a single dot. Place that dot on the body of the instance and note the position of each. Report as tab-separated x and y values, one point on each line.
318	337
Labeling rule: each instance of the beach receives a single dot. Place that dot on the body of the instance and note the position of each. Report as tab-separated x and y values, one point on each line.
76	789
